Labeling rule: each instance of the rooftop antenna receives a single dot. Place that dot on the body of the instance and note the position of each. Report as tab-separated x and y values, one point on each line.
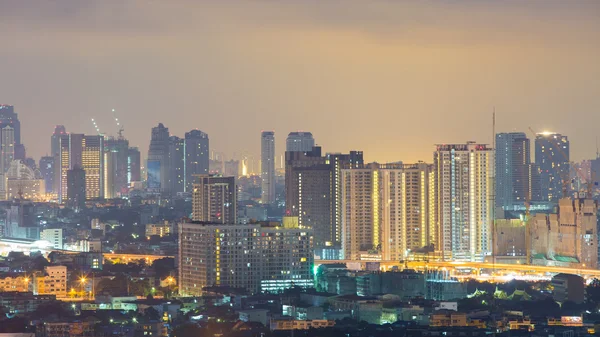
597	152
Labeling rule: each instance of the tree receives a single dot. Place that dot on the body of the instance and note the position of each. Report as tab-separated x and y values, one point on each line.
54	308
164	267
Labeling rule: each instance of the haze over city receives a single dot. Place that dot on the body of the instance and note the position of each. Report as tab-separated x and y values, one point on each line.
389	78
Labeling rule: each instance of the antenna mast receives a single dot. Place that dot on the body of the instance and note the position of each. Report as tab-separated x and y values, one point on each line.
120	128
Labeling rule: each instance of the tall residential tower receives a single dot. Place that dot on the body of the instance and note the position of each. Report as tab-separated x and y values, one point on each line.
267	166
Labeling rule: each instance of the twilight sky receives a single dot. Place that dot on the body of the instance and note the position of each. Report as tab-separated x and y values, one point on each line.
390	78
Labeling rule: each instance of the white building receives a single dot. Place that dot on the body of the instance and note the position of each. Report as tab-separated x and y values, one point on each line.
253	257
54	236
464	186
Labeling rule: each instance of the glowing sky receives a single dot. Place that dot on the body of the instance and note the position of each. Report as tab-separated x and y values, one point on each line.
390	78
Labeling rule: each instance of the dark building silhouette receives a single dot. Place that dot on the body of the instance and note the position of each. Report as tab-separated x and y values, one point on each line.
76	188
196	156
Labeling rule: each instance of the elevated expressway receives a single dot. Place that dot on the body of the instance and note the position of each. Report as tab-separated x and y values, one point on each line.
475	266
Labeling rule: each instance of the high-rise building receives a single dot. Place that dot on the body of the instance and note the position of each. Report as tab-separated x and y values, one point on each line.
253	257
86	152
313	188
7	146
8	117
157	166
552	160
464	196
267	166
59	130
116	167
46	166
134	169
387	209
299	141
176	164
196	156
515	174
76	187
214	199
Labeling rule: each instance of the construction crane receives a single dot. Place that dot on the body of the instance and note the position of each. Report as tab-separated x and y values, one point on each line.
120	128
96	126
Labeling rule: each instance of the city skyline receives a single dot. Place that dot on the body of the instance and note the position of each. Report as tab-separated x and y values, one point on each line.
450	71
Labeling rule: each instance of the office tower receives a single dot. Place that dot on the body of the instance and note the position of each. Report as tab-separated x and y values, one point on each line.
176	164
299	141
87	153
514	184
464	195
214	199
7	146
552	160
59	130
8	117
46	166
253	257
76	187
267	166
116	154
196	156
157	167
388	209
133	165
313	191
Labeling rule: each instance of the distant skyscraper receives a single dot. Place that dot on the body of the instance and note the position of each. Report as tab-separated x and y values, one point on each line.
515	175
299	141
552	159
47	170
267	166
59	130
86	152
176	164
214	199
9	117
133	165
196	156
157	166
464	191
7	144
116	152
314	191
387	208
76	187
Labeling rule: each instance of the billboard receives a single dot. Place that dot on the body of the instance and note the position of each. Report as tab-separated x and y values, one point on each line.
153	174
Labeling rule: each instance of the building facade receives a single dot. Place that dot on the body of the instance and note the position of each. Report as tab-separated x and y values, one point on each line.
253	257
464	180
87	153
299	141
267	166
552	160
157	166
214	199
387	210
196	156
515	174
313	187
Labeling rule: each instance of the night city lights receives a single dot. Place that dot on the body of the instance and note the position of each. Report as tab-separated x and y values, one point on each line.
312	168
